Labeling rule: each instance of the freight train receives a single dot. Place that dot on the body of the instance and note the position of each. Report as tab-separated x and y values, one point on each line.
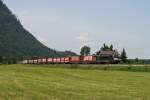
105	57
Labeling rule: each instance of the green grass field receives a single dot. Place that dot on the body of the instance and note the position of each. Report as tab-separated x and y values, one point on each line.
49	82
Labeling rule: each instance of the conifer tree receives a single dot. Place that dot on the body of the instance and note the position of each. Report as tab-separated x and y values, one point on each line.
124	56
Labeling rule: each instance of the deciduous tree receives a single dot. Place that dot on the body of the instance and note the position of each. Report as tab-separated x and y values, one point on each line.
85	50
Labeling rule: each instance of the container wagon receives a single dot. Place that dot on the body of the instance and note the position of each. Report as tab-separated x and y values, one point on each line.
89	59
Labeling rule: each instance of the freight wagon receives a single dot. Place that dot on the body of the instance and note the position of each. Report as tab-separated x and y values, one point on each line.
49	60
67	60
89	59
105	57
74	60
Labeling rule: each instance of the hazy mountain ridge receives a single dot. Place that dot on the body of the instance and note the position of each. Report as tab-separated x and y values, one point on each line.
17	42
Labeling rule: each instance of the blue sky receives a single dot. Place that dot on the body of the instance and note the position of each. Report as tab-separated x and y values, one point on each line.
70	24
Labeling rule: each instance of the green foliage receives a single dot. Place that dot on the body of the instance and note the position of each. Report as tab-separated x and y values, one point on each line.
123	56
106	47
111	47
1	59
85	50
17	43
6	60
139	61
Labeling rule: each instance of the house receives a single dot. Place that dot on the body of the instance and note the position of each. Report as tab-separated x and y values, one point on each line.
110	53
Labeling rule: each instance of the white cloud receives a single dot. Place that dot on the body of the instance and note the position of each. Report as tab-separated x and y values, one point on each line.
82	38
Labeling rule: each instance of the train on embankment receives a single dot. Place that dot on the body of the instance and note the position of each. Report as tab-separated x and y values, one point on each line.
105	57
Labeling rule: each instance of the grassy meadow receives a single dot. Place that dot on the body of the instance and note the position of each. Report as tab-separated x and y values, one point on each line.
74	82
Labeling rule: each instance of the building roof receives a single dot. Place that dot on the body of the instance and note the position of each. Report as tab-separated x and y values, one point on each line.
113	53
107	52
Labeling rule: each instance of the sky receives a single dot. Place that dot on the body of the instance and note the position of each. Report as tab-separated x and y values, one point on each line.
70	24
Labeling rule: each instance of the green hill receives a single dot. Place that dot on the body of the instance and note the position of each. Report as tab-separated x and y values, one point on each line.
17	42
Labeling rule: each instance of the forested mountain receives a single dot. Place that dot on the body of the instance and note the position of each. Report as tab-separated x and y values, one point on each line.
16	42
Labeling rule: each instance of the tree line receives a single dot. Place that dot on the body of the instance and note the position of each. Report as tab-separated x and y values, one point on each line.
6	60
86	50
